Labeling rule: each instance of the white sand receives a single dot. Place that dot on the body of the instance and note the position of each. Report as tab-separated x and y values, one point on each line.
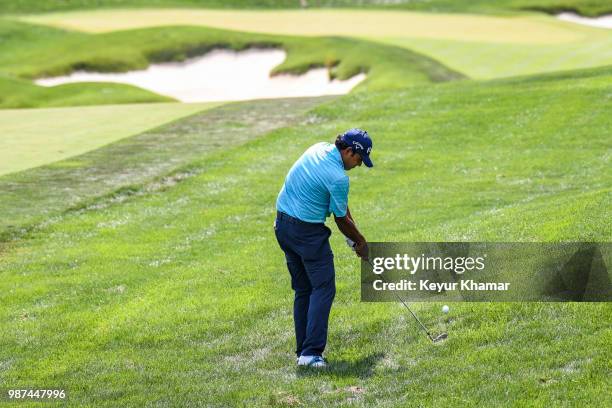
601	22
221	75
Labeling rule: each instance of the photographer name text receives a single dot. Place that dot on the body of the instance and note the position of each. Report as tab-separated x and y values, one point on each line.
427	285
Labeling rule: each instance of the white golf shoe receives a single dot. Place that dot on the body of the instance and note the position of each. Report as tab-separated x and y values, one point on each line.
312	361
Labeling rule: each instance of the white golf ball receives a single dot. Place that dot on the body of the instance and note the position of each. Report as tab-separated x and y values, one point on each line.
445	309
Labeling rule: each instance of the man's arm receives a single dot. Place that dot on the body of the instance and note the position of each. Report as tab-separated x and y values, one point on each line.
347	226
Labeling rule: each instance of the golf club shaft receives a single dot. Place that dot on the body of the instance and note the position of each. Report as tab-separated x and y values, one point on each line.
406	306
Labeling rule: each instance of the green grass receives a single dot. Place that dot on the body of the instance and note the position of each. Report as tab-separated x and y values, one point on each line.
146	271
39	194
20	41
31	51
34	137
487	60
180	296
585	7
499	47
18	93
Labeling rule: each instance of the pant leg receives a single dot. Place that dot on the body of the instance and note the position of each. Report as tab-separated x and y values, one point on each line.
299	283
322	275
318	262
301	302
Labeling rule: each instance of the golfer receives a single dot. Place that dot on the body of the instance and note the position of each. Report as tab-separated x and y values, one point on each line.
315	187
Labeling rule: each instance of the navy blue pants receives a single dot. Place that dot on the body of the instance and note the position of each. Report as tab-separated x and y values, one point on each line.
311	265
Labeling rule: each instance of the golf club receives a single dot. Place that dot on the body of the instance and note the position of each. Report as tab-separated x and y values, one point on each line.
434	339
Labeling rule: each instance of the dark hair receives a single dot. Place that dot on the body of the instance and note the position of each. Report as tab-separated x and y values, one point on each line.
341	144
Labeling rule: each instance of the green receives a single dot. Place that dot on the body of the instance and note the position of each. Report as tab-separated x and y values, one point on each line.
585	7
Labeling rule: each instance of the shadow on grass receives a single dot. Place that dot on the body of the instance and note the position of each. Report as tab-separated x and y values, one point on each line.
361	368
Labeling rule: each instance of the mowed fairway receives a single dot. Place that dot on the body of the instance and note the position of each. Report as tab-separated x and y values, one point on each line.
180	296
159	156
33	137
478	46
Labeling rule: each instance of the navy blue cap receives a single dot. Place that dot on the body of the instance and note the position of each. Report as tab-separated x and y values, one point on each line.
360	142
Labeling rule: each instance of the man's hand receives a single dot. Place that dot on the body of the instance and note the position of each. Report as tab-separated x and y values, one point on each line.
354	239
350	242
362	250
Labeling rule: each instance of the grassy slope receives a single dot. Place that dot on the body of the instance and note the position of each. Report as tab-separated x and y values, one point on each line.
34	137
501	46
18	42
18	93
29	51
586	7
180	295
32	196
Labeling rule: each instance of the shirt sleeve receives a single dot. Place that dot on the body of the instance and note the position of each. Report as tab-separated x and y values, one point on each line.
338	191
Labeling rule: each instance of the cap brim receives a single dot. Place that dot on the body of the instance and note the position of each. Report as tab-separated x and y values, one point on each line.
366	160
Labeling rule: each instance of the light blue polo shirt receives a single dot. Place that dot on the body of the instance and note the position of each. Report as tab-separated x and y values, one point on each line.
316	185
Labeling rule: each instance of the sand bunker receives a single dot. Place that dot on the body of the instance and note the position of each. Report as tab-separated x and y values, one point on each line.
601	22
221	75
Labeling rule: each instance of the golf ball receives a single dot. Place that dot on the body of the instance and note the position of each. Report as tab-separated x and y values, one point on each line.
445	309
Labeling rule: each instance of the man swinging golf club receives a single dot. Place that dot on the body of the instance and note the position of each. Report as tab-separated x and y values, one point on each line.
315	187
